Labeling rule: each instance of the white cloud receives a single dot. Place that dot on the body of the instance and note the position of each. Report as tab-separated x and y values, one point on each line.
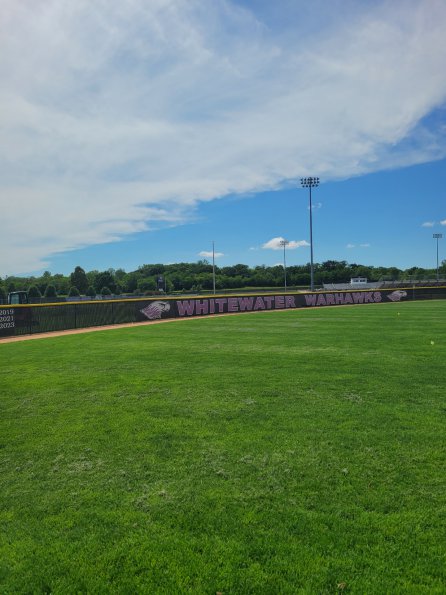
428	224
364	245
292	245
315	206
207	254
350	246
119	117
443	222
276	244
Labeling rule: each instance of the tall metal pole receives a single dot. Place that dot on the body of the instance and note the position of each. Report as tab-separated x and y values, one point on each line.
213	265
310	183
284	243
437	236
311	246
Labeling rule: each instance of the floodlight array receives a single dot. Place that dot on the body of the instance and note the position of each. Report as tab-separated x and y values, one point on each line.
309	182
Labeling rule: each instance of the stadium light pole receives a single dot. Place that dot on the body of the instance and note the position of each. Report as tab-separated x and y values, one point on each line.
284	243
310	183
213	265
437	236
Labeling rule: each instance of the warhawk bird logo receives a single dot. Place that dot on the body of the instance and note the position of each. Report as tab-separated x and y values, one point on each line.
155	310
396	296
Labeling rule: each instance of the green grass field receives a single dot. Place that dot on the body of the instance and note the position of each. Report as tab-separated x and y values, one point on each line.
287	452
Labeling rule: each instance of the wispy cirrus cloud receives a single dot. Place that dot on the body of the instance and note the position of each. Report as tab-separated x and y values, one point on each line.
121	117
277	244
207	254
433	223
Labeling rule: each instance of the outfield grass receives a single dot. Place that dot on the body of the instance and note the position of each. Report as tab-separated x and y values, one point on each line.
298	451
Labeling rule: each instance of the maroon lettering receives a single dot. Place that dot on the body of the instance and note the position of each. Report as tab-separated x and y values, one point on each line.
310	299
289	301
260	304
220	304
268	300
201	307
321	300
246	303
232	305
330	299
279	301
186	307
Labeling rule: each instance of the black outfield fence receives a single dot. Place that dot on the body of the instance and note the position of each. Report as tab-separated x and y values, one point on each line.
42	318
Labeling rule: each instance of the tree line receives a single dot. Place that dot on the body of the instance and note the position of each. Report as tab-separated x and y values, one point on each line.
184	277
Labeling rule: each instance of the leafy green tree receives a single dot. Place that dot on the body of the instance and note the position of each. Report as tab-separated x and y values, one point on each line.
205	280
147	284
394	273
74	291
105	279
188	282
147	270
130	282
34	293
120	274
106	291
50	291
3	297
362	271
416	273
91	292
62	284
91	276
187	275
174	282
79	279
300	277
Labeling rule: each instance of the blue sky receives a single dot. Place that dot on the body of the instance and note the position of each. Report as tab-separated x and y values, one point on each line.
375	219
140	132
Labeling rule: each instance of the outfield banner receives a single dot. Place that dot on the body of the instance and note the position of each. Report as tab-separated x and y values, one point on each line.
41	318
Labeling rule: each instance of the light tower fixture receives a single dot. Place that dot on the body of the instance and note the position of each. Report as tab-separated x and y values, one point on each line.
437	236
310	183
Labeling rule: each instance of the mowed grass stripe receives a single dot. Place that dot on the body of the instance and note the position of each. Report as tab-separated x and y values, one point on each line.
297	452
